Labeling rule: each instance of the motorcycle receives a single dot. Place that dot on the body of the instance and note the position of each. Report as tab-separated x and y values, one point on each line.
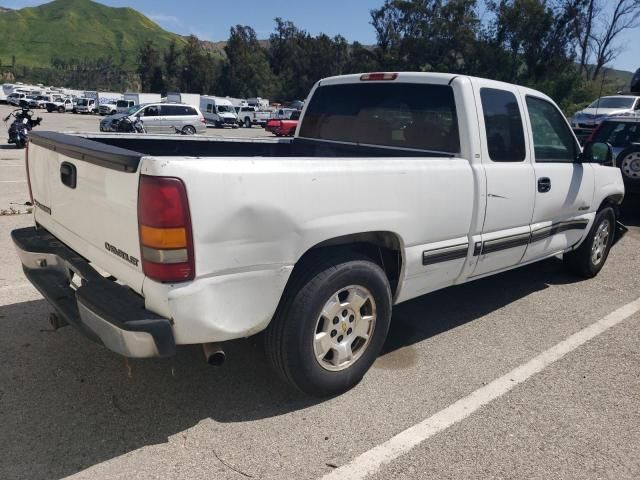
127	125
23	124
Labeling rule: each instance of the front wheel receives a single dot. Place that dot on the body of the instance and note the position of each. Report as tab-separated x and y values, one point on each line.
331	324
590	257
247	123
189	130
60	109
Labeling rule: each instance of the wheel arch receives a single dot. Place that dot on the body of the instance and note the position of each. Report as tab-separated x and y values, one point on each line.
384	248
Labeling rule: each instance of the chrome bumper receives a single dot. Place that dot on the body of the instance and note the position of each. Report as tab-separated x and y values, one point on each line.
106	312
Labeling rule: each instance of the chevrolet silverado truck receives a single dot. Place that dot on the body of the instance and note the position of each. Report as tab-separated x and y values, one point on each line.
395	185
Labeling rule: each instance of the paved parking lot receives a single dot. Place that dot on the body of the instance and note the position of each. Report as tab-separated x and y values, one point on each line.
70	408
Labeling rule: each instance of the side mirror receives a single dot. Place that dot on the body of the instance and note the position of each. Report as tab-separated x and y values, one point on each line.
598	152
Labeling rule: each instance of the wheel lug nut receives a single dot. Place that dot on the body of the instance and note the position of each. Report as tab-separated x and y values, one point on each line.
340	338
336	321
352	318
333	333
345	313
349	331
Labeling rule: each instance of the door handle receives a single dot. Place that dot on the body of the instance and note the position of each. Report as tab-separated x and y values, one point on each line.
544	184
68	174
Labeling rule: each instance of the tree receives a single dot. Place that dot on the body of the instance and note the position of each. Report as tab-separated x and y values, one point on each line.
148	62
199	68
625	16
172	66
247	73
427	35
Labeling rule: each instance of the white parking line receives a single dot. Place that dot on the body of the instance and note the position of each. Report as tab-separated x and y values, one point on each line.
13	181
373	460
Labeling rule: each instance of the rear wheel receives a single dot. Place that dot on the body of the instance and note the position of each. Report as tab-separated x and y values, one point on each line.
590	257
247	123
331	324
60	109
189	130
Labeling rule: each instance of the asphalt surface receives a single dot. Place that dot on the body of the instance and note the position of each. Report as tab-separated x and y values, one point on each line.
71	408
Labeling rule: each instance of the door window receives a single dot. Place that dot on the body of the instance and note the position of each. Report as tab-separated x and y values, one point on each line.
151	111
503	124
209	108
552	138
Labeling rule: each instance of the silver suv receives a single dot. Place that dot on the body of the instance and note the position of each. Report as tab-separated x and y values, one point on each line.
165	118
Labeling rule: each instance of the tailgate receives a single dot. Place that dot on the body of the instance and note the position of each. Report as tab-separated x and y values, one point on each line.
86	194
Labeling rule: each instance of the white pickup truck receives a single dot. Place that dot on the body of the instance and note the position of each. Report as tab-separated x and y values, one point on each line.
395	185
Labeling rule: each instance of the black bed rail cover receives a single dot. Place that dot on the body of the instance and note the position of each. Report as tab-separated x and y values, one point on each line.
81	148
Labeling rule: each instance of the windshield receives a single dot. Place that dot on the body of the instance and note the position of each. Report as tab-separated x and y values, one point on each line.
133	110
123	103
612	102
225	109
83	102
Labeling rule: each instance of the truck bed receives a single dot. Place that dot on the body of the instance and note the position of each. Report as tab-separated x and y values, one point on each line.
124	151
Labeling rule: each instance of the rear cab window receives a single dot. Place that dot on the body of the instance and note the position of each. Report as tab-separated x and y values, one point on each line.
403	115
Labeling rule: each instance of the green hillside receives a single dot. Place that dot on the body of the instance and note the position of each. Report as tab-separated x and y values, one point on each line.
76	29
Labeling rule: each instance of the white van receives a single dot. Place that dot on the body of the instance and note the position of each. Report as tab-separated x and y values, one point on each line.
218	112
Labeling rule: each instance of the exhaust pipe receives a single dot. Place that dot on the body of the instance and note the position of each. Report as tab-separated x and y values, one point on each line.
213	354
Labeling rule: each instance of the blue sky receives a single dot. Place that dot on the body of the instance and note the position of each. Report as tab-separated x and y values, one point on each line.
211	19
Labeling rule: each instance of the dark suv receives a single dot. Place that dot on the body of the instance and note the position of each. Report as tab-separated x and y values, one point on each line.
623	133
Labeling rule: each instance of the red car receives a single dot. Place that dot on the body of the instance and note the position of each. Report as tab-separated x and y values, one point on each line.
283	128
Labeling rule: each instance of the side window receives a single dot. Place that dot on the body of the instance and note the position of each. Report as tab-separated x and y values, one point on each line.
503	122
151	112
552	138
637	104
209	108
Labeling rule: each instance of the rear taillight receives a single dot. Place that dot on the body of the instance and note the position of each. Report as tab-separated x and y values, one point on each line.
166	239
26	162
378	76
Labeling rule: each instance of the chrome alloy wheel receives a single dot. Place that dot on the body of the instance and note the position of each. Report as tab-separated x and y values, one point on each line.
630	165
344	328
600	242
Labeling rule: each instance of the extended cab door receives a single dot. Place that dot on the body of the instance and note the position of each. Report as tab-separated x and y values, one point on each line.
509	177
564	187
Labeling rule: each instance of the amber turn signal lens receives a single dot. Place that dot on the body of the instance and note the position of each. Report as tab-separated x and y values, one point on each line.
163	238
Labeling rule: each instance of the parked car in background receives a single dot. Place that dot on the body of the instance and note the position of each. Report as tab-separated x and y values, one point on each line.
60	105
250	116
282	113
396	185
166	118
585	120
86	106
218	112
634	87
623	134
15	98
284	127
109	108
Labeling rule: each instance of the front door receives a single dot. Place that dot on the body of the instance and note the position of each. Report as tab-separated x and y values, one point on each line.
564	187
509	176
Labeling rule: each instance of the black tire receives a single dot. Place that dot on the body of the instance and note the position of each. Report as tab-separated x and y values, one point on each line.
189	130
247	123
289	340
631	175
581	261
60	109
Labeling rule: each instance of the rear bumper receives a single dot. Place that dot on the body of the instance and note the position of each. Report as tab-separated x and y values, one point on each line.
103	310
